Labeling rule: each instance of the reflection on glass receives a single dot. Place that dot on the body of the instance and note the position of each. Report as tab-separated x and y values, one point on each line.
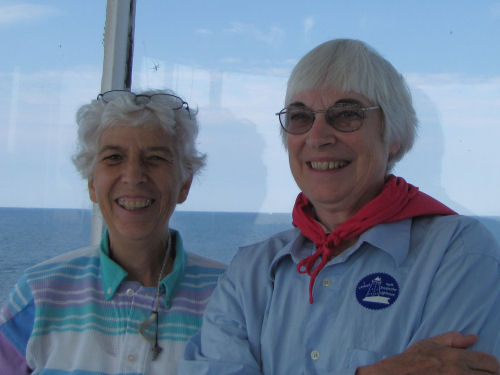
231	62
51	64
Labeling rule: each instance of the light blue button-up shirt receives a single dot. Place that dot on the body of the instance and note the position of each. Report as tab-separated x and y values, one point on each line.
400	282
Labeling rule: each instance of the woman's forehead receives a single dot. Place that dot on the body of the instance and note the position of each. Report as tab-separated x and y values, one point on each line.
142	135
327	97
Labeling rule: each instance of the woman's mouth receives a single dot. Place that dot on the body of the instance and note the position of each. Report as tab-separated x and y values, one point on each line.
327	165
134	204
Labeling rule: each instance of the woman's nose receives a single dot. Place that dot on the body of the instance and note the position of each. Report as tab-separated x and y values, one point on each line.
134	172
321	133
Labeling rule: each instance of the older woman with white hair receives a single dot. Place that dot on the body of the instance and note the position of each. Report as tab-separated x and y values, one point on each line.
129	305
376	277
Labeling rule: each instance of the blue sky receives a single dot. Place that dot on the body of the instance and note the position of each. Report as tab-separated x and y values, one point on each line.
232	59
423	36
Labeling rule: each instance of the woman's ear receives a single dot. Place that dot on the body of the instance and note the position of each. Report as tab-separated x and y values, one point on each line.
183	193
394	148
92	193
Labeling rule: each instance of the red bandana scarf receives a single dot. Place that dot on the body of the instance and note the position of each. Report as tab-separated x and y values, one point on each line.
397	201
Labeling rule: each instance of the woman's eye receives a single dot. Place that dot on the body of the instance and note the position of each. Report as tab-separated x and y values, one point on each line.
350	114
113	157
155	158
299	116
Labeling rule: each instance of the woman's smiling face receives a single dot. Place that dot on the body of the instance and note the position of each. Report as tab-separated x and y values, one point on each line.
137	181
338	172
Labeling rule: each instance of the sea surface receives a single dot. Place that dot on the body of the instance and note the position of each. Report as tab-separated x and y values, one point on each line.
29	236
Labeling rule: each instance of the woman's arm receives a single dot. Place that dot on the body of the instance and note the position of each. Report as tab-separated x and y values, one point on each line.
16	325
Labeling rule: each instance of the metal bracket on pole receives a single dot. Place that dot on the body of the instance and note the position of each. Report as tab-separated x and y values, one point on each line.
117	68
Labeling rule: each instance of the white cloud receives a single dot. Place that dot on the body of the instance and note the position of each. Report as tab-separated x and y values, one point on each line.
455	157
271	36
14	13
495	9
41	132
229	60
456	149
308	25
203	31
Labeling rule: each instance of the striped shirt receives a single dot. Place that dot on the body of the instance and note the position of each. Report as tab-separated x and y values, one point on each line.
77	314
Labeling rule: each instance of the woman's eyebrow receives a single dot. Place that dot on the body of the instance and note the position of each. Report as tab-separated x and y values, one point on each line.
164	149
348	101
342	101
297	104
107	148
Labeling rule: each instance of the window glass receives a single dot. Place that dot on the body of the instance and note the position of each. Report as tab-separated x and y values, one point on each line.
232	60
51	64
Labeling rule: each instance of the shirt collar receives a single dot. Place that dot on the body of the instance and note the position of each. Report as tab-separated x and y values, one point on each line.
171	282
113	274
393	238
293	248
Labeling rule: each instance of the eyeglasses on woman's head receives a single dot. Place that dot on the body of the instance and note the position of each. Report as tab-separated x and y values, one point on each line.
170	100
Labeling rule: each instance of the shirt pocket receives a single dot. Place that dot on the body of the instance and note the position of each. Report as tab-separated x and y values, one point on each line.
361	357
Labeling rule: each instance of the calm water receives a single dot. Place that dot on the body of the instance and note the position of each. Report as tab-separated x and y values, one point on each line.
29	236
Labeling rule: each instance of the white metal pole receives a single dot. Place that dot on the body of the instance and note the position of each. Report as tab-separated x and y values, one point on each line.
117	68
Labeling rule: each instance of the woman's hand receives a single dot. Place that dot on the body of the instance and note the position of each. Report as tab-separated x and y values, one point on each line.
443	354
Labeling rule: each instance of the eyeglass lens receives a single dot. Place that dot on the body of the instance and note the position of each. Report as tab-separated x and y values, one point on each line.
299	119
172	101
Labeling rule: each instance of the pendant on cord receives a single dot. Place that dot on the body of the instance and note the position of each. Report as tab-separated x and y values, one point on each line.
156	349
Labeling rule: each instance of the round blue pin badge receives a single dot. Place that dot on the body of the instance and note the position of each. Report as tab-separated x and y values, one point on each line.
377	291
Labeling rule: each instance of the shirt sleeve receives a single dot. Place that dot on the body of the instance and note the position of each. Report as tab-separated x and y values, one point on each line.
464	294
16	325
222	346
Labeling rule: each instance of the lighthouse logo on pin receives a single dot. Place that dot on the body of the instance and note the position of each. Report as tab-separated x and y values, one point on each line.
377	291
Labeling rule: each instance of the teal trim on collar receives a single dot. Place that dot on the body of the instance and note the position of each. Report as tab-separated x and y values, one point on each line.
111	273
172	281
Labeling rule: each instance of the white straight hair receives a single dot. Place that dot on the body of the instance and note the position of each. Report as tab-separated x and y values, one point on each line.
351	65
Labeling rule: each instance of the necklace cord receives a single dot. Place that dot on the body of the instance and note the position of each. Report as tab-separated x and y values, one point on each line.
156	349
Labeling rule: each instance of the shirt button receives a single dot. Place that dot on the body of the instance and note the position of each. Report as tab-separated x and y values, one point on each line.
326	282
131	358
130	292
314	355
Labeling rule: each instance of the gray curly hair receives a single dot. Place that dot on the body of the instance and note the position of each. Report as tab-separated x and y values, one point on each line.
125	109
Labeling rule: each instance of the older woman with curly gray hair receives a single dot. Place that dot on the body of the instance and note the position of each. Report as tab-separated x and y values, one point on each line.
130	304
